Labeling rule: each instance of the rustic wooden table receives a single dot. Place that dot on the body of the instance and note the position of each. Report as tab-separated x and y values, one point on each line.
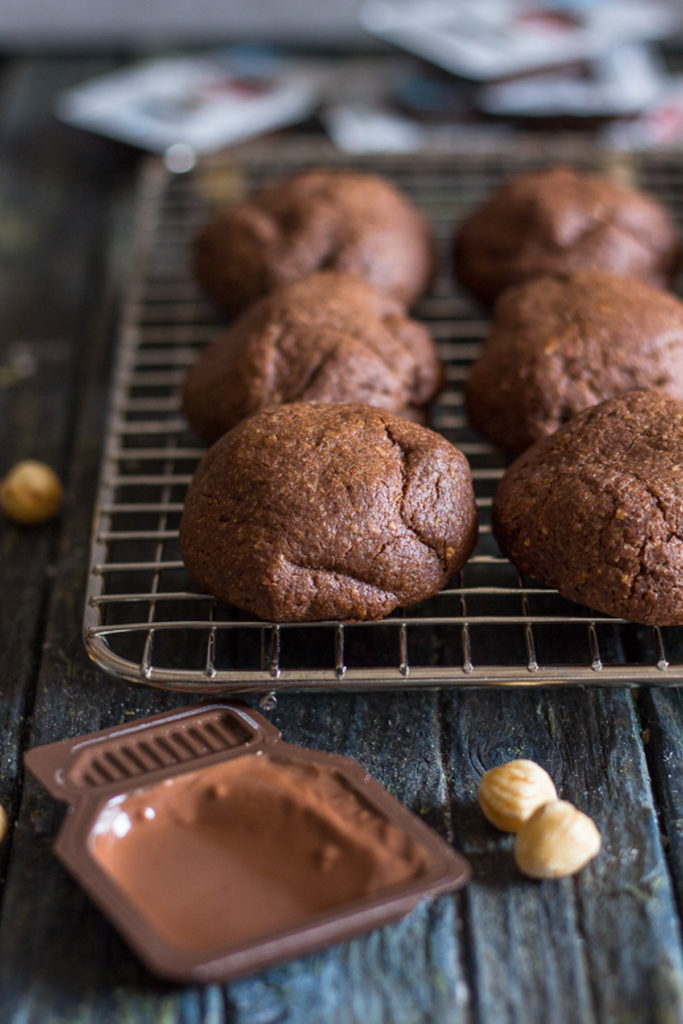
603	946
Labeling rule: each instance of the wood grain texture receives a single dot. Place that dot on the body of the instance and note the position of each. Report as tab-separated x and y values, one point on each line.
601	946
662	722
37	355
50	690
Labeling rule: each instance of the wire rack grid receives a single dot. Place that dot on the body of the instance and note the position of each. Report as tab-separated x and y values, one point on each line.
145	621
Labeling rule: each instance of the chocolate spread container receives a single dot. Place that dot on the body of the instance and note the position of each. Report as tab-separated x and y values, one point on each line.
217	849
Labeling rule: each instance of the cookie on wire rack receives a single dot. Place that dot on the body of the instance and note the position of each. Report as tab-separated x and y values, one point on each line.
560	344
306	512
322	219
559	219
596	509
330	337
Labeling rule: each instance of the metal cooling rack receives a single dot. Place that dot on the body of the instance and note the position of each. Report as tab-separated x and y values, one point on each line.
144	620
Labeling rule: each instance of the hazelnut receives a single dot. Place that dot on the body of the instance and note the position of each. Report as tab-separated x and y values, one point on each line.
510	793
557	840
31	492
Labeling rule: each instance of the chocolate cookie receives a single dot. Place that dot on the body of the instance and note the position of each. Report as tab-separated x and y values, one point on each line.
596	509
328	338
560	344
317	220
556	220
307	512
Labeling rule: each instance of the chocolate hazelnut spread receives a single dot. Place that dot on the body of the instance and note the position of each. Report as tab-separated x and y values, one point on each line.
241	849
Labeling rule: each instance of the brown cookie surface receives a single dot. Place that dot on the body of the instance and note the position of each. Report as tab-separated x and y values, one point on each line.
316	220
560	344
308	512
559	219
596	510
330	337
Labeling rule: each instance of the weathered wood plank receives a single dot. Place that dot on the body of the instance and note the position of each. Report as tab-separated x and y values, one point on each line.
52	296
601	947
604	946
662	720
45	245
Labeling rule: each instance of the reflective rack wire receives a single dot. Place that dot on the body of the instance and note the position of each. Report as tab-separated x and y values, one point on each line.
146	622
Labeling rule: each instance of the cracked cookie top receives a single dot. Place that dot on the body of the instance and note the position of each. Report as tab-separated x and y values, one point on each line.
325	219
560	344
306	512
559	219
330	337
596	510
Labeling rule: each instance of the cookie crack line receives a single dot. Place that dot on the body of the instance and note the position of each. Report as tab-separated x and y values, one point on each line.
672	533
405	483
342	574
275	343
632	577
314	369
596	226
632	234
645	541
